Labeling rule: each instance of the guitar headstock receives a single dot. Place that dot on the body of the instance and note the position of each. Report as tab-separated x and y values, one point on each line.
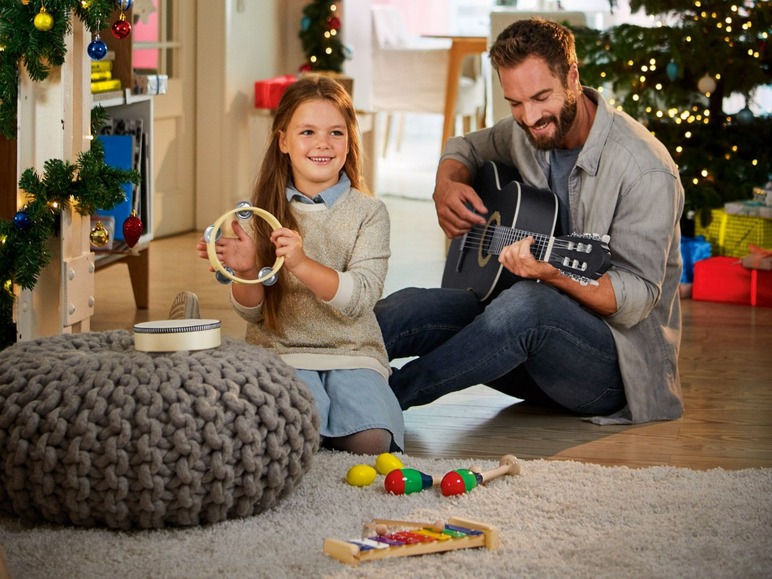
584	257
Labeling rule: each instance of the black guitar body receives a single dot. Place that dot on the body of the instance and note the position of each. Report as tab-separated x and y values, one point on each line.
516	212
472	261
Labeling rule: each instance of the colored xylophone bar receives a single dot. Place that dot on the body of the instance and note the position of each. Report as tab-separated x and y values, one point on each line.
423	539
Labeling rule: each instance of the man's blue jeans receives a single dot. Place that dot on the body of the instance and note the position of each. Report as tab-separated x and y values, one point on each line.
532	342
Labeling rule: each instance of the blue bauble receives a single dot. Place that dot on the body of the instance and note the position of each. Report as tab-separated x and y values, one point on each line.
672	70
97	49
745	115
305	22
348	51
124	4
21	220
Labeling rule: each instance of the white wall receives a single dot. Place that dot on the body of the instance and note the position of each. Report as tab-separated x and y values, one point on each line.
237	44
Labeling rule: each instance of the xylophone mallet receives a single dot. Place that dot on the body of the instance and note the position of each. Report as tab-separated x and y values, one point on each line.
405	481
460	481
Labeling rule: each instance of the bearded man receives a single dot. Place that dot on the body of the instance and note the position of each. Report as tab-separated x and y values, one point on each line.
606	350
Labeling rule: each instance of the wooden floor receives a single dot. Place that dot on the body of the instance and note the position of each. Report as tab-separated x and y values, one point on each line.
726	369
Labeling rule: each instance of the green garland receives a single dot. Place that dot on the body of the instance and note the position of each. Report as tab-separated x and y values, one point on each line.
37	50
85	186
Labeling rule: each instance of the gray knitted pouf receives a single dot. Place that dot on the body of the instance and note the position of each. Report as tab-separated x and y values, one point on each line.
94	433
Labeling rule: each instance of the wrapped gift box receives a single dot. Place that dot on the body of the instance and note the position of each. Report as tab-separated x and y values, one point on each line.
693	249
724	279
268	92
729	235
749	208
148	83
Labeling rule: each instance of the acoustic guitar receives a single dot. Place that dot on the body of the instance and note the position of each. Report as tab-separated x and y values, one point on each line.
516	211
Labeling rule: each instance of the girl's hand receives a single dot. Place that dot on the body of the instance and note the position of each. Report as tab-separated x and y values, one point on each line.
238	253
289	245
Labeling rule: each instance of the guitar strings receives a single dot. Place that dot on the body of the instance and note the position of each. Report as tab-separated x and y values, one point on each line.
500	239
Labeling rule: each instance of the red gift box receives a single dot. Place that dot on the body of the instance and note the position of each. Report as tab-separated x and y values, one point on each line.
724	279
268	92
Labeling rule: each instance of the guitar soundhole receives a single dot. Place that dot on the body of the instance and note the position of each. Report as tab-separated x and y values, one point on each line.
486	239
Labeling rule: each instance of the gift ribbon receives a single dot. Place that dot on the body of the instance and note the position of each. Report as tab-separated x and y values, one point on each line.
756	254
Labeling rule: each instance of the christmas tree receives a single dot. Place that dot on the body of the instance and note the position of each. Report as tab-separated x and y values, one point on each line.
320	36
674	77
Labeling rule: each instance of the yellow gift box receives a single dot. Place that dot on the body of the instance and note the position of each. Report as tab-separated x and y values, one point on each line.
730	235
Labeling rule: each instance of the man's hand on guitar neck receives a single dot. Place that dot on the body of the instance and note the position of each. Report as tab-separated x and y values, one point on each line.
452	194
519	259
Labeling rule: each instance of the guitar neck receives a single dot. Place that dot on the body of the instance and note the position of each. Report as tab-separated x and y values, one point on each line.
504	236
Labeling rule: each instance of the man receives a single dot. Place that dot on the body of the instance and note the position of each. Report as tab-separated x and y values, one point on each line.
609	350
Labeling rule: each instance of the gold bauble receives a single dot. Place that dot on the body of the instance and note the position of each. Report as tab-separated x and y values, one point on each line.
43	20
99	236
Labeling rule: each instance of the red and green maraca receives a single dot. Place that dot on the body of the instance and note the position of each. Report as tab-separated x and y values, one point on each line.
406	481
462	480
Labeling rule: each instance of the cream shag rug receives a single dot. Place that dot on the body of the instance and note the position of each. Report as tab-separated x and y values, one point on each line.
556	519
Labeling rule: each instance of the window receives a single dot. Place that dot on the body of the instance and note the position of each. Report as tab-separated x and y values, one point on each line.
155	37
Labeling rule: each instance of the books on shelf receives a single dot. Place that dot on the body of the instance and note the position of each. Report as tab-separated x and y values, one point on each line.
105	85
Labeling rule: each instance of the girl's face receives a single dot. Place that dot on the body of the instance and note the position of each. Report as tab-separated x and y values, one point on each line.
316	141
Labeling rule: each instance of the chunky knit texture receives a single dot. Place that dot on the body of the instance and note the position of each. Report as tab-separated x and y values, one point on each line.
94	433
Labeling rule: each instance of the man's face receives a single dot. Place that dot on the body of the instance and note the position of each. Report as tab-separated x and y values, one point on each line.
540	103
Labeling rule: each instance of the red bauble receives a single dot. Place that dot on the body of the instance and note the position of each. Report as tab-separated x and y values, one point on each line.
132	229
334	22
121	29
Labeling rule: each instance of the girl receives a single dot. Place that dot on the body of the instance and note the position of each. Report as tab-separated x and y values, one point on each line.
335	242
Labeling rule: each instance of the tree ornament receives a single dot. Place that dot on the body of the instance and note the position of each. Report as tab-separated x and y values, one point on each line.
21	220
121	29
97	49
745	115
334	23
706	85
124	4
43	20
99	236
25	2
672	71
132	229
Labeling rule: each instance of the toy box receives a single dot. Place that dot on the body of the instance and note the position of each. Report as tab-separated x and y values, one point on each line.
724	279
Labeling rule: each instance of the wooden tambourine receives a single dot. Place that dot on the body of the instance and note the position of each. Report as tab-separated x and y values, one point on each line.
176	335
211	250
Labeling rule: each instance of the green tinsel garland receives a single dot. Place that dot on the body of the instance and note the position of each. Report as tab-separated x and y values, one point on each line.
84	187
37	50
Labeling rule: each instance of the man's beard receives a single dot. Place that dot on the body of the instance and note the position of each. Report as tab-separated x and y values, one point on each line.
562	125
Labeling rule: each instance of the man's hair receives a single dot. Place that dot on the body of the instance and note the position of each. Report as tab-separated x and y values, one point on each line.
537	37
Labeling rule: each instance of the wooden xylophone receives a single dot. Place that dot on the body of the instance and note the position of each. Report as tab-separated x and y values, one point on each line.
420	539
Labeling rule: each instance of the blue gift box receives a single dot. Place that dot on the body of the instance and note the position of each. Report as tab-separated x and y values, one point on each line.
693	249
